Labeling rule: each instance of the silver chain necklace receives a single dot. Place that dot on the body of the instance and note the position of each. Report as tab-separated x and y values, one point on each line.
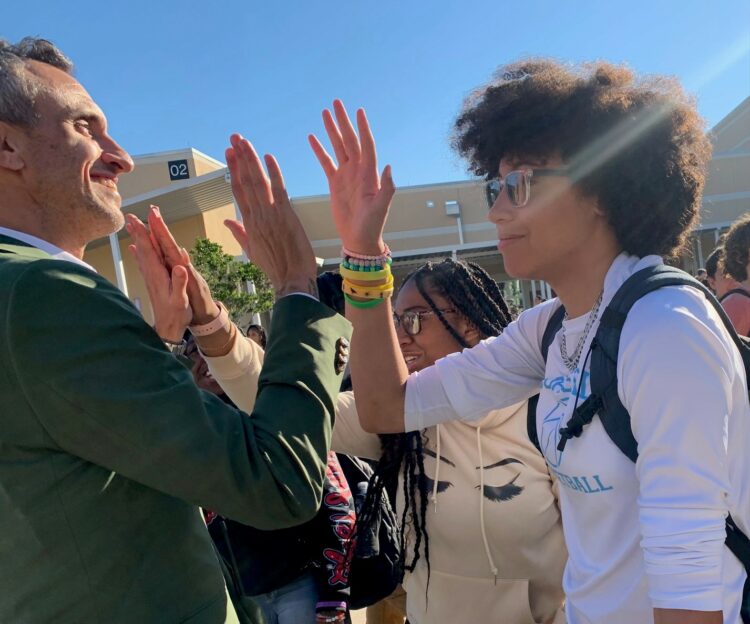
571	361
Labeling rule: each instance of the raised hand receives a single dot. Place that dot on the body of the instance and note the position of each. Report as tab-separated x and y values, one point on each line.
172	255
360	198
270	233
167	287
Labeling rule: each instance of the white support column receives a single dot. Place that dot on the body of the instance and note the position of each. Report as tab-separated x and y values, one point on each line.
251	289
460	226
114	245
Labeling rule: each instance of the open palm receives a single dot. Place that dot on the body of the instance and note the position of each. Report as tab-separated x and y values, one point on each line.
360	198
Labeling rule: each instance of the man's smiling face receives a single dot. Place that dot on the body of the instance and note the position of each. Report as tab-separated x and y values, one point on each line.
71	164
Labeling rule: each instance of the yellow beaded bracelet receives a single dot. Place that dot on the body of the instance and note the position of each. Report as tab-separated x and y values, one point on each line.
387	285
368	292
365	276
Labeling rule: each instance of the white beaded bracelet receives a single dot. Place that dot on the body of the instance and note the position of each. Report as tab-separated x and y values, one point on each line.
213	326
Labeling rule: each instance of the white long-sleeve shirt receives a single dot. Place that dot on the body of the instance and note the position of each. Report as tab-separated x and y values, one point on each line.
643	535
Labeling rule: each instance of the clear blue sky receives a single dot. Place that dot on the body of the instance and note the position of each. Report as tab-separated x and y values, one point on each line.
172	74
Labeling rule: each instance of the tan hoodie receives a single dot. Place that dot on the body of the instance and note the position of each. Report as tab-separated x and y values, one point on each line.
496	545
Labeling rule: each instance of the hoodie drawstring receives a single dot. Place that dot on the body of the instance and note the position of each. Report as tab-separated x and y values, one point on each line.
493	567
433	498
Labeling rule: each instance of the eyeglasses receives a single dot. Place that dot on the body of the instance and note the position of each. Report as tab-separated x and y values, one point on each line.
517	185
411	321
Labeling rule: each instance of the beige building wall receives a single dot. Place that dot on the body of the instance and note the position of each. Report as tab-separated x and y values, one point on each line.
213	222
152	171
418	219
100	257
203	164
727	193
733	132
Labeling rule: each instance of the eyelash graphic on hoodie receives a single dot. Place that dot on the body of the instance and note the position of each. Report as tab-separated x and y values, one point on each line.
503	493
430	483
441	485
506	492
495	493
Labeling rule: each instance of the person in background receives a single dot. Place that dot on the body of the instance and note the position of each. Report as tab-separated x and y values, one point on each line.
716	277
257	334
736	300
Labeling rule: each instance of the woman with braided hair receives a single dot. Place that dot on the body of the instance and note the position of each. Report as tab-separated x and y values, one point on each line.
481	532
480	524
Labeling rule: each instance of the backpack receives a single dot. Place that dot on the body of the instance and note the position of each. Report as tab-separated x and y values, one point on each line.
604	399
376	569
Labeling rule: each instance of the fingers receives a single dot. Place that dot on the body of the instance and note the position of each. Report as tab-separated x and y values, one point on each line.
369	153
387	187
278	188
144	245
163	239
251	170
337	142
325	160
235	176
149	263
179	294
351	141
239	233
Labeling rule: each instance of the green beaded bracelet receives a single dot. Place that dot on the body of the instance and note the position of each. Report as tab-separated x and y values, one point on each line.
350	263
363	305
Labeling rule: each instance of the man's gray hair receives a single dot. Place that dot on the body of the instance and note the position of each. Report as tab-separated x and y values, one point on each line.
19	87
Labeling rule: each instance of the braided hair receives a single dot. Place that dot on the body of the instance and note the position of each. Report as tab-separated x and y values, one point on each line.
476	296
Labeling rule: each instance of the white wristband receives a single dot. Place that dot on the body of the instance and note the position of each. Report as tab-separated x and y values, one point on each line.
213	326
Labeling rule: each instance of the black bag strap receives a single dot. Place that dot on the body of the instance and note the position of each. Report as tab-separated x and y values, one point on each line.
606	347
734	291
553	326
739	544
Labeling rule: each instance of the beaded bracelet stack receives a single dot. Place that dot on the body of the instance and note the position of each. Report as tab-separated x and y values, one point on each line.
368	278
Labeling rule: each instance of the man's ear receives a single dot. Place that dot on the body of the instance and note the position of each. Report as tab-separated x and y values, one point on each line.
10	152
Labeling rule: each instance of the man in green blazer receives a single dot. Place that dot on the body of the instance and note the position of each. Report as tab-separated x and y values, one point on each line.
107	447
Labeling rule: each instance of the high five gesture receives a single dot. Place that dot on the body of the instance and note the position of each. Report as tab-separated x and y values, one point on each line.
360	198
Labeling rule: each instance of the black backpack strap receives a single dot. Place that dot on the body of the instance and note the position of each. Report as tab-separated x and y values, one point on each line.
606	347
553	326
734	291
739	544
615	417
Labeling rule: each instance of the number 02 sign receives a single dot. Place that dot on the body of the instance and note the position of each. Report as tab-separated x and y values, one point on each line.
178	170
